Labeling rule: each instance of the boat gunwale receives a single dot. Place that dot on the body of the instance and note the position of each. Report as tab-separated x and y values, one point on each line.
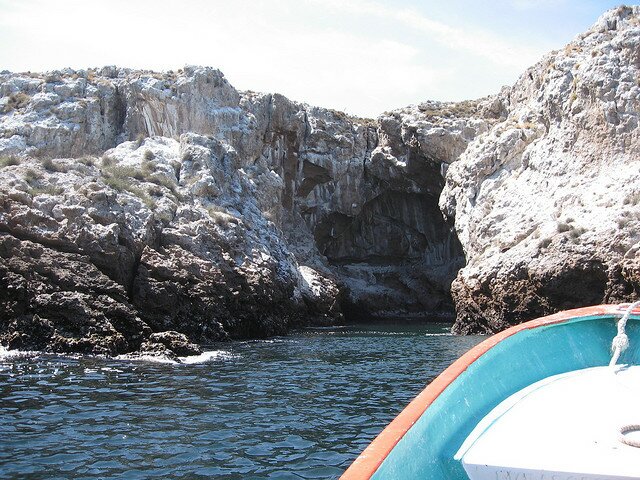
368	462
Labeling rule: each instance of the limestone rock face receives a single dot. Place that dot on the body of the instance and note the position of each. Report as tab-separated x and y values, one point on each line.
173	209
353	200
547	203
396	252
136	252
60	113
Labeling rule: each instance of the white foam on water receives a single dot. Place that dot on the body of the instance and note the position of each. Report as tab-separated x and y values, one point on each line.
6	354
132	357
331	327
444	334
268	340
205	357
380	333
110	369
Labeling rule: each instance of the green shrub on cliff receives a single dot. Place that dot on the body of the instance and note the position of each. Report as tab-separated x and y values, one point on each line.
16	101
221	217
122	179
9	160
46	190
139	140
163	181
51	166
87	160
31	176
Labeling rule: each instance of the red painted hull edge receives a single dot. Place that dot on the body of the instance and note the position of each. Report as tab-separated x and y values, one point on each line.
372	457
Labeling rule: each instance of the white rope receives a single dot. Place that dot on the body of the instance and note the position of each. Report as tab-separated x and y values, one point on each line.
621	340
618	345
625	439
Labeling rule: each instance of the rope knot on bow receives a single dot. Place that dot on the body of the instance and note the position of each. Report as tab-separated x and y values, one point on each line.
621	341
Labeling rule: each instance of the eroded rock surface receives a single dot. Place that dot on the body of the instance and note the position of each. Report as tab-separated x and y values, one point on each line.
108	255
173	210
226	214
547	204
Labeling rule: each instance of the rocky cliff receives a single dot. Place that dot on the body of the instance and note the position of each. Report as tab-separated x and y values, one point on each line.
547	203
144	211
195	209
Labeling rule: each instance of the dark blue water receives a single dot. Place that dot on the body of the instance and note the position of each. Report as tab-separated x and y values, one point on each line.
296	407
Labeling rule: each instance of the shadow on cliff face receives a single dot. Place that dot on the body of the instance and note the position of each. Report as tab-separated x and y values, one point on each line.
397	257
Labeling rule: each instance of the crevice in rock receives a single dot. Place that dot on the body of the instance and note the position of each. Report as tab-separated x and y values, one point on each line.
307	128
119	111
269	119
289	167
135	268
104	265
40	240
313	175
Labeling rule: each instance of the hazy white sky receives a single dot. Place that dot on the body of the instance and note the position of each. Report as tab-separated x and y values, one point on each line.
361	56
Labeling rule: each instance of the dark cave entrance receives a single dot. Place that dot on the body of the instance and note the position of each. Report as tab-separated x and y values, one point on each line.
396	258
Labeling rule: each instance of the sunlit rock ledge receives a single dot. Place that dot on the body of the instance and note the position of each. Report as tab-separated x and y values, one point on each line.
151	212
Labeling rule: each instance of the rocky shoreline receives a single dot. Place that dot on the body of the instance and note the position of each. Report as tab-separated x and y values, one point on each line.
153	212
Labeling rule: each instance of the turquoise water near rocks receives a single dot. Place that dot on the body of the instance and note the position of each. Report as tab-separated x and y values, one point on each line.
301	406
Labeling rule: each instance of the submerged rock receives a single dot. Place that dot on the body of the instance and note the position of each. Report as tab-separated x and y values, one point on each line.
176	343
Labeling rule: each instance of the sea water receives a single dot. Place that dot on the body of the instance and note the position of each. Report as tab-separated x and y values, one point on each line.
301	406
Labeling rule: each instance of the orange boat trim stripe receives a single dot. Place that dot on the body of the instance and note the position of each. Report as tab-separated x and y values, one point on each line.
372	457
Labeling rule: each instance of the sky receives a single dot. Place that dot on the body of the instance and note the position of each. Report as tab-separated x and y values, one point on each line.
360	56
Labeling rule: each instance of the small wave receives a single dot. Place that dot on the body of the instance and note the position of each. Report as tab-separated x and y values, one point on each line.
267	341
380	333
393	334
6	354
10	355
133	357
205	357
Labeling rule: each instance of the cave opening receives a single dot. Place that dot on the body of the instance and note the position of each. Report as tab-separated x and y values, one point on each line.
396	258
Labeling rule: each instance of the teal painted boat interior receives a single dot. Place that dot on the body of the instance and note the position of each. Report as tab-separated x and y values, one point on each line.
428	448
